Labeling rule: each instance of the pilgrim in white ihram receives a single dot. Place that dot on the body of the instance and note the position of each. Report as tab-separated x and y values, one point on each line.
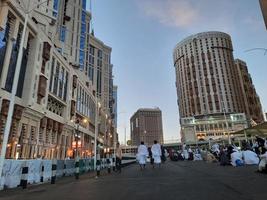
156	152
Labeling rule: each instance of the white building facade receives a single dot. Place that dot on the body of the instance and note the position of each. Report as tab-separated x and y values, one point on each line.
55	96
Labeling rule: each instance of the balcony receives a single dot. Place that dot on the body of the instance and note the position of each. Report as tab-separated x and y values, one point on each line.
18	112
75	80
42	86
5	106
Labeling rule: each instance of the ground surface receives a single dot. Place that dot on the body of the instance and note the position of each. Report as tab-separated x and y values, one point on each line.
174	180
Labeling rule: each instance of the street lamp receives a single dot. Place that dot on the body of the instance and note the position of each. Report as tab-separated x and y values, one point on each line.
98	106
77	137
27	10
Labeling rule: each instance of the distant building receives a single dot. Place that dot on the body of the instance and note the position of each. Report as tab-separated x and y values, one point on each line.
212	87
146	126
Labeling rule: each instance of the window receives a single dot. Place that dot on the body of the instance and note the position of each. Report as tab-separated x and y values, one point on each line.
62	33
84	4
13	61
61	81
55	7
66	86
23	67
55	89
99	81
52	74
4	35
81	60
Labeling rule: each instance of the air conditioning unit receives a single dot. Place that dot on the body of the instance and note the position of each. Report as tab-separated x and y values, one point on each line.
53	22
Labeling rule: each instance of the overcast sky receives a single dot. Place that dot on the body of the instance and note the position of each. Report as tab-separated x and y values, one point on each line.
143	33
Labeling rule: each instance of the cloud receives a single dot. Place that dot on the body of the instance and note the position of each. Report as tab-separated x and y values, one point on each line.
170	12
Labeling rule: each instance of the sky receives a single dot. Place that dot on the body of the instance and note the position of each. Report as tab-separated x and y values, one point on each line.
143	34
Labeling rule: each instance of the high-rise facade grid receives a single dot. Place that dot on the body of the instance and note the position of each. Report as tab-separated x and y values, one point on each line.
65	75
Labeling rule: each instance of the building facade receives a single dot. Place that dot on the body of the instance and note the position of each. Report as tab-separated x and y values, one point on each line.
146	126
249	98
263	5
207	81
56	98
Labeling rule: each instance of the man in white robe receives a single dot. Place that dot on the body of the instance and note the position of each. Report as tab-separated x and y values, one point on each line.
156	152
236	159
142	155
250	158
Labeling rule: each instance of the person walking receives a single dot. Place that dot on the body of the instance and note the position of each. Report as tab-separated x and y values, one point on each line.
118	158
156	153
142	155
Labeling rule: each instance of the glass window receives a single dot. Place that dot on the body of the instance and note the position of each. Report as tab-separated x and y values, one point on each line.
99	80
13	61
66	86
81	60
61	81
92	50
23	67
55	7
83	29
99	54
91	73
91	60
56	79
62	33
52	74
83	16
4	35
84	4
82	42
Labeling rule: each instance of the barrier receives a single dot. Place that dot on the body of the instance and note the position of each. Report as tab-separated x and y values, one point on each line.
54	171
24	175
40	171
60	168
77	167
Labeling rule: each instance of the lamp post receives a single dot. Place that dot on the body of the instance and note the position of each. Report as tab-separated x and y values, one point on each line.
77	136
98	106
26	11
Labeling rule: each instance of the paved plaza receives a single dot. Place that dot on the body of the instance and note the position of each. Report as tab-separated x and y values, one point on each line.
174	180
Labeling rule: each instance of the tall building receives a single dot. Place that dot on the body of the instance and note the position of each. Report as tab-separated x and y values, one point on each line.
208	87
59	88
263	5
146	126
247	94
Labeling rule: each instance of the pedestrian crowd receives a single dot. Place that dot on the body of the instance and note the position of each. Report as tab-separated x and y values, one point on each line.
156	154
250	153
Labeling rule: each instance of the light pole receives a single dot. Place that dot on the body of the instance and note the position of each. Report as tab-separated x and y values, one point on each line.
26	11
77	137
98	106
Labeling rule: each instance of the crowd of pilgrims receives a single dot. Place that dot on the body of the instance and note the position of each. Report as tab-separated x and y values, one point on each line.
250	153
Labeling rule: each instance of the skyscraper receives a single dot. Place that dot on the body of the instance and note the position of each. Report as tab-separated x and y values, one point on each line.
248	97
207	83
146	126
